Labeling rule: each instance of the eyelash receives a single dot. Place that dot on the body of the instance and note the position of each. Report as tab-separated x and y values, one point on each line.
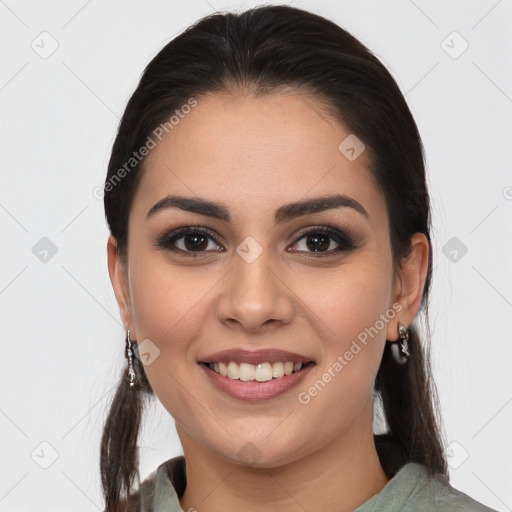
345	241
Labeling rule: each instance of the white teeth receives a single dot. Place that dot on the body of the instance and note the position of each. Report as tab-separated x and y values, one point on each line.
264	372
247	372
233	370
277	370
260	372
288	368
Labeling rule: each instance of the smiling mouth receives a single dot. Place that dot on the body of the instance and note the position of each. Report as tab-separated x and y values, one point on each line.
261	372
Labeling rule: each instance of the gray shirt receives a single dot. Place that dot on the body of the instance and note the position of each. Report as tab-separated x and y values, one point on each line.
410	490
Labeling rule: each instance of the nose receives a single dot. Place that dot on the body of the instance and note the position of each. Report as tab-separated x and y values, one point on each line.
254	296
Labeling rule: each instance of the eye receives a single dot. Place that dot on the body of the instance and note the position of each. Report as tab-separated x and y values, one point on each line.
319	241
189	240
195	241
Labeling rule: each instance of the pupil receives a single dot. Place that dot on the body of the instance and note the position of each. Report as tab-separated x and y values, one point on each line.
199	241
315	246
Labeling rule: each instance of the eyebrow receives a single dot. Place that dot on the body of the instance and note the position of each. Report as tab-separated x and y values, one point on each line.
282	214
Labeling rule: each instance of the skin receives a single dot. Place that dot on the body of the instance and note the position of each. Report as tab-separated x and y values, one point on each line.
255	154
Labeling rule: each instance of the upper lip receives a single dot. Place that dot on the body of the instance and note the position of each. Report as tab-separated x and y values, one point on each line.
269	355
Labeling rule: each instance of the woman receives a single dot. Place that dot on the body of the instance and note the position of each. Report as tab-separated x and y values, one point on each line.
270	252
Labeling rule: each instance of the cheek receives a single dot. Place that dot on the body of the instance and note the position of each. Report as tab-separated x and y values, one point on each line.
171	307
352	314
174	308
351	307
164	314
167	301
348	301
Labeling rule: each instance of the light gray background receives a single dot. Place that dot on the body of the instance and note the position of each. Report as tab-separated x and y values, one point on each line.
62	338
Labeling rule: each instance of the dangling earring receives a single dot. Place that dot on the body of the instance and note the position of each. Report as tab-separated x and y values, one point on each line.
129	354
400	349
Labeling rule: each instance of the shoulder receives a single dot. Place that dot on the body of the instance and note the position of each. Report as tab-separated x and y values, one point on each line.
164	485
147	490
435	493
148	496
142	500
449	498
412	489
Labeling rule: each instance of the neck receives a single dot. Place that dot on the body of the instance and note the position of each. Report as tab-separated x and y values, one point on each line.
338	477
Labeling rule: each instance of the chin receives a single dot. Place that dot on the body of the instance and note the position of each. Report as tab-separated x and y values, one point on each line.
252	456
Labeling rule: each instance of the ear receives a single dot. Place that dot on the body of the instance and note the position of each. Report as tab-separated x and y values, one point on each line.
119	279
409	284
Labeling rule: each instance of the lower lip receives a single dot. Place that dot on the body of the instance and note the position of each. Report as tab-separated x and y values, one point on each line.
254	390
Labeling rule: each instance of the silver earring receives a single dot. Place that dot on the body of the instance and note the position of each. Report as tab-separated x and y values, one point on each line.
129	354
400	349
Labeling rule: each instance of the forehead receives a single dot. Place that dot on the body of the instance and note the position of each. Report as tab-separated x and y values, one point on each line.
256	153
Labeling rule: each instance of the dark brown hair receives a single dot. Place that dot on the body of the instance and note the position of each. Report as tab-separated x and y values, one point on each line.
265	50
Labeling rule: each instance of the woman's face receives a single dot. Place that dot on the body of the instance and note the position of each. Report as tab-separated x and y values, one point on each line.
255	282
